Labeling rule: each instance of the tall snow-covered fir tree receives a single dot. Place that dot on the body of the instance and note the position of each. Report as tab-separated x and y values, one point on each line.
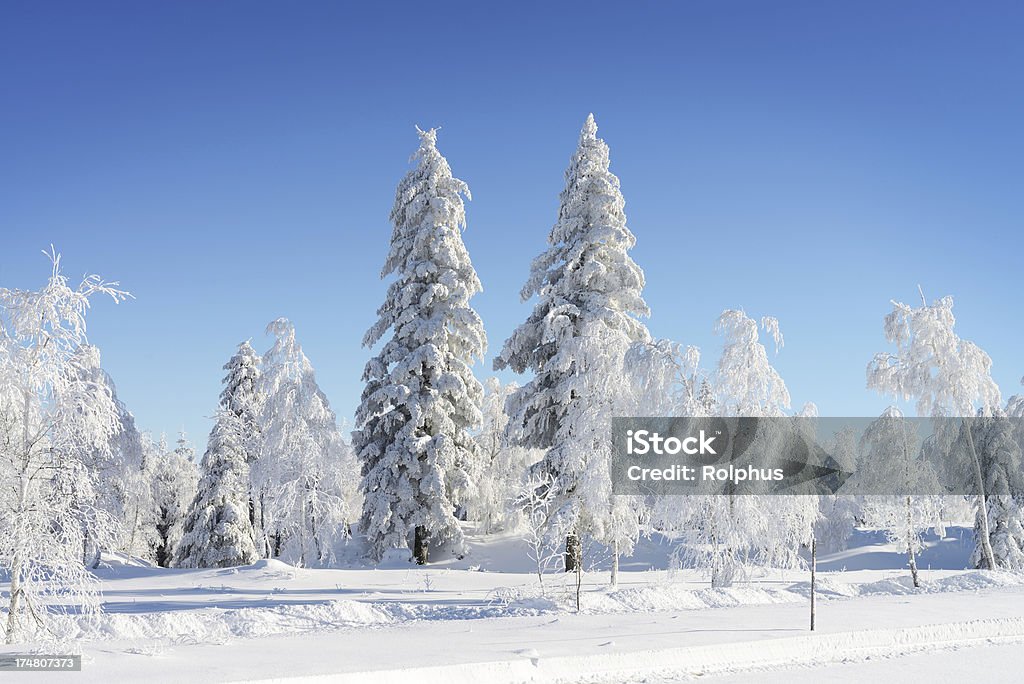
589	301
217	532
305	473
421	399
242	395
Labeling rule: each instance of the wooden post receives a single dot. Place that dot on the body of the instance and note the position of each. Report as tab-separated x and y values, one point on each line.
814	570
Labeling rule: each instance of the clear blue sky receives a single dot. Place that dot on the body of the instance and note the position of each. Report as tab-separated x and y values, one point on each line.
232	162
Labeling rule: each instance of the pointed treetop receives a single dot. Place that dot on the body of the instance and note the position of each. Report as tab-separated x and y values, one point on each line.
589	128
428	138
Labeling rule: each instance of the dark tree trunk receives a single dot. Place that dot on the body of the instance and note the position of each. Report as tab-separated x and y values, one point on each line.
573	552
420	550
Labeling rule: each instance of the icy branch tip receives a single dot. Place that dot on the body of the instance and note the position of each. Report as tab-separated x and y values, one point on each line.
428	138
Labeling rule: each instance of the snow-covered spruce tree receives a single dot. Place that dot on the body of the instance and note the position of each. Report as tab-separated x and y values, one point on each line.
242	394
52	419
589	300
421	400
175	485
305	471
948	376
732	532
217	532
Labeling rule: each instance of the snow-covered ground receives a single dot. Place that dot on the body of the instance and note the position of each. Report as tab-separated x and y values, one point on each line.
482	618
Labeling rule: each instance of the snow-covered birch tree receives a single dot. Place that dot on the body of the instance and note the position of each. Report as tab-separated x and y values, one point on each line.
421	400
129	474
119	463
588	304
665	379
53	417
838	512
893	457
502	465
732	532
947	376
999	453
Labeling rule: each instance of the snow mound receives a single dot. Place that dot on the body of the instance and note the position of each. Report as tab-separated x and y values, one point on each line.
395	558
972	580
271	564
219	626
667	597
222	625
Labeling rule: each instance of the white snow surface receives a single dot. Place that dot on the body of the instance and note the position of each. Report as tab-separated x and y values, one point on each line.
482	618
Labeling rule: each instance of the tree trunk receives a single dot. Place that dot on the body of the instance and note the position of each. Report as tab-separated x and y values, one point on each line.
986	542
913	567
814	572
16	588
579	582
316	538
910	546
573	552
420	550
15	605
131	539
264	535
615	564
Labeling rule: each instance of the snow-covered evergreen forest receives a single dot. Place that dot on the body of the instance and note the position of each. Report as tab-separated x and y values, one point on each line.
447	467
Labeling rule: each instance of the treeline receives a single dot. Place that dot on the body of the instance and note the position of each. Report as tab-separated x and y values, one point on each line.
434	447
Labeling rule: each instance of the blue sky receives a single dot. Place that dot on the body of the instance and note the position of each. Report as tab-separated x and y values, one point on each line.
232	162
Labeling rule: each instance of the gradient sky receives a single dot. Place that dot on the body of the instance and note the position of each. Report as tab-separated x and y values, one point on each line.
232	162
